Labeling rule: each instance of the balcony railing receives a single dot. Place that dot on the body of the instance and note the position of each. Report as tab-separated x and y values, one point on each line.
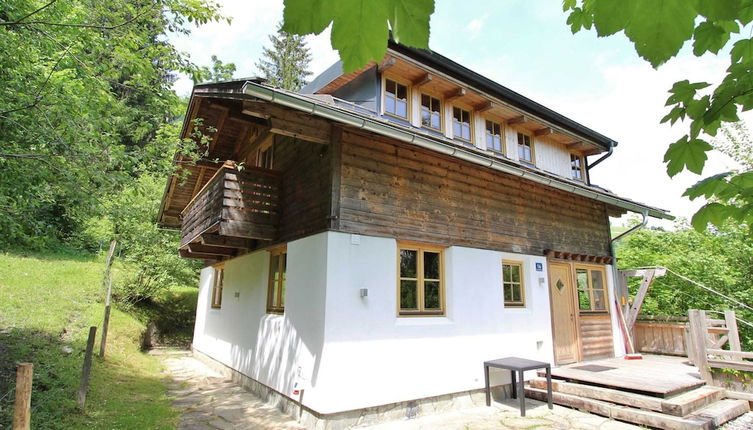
233	207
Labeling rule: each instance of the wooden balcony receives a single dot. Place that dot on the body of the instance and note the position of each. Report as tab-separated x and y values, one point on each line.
232	210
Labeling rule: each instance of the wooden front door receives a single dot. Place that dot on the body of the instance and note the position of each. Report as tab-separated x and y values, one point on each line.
564	327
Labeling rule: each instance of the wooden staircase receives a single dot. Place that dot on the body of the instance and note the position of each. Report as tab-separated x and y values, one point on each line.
703	407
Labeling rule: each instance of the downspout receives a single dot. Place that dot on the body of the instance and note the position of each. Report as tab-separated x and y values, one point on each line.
616	273
612	144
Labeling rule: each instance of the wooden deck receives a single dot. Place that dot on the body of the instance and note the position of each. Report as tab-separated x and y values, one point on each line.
656	375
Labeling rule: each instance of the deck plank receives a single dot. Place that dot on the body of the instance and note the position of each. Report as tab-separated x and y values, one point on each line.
656	375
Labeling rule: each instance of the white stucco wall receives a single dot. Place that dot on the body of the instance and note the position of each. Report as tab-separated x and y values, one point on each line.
353	352
273	349
373	357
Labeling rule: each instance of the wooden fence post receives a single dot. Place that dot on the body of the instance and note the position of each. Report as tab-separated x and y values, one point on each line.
698	330
108	295
81	395
22	405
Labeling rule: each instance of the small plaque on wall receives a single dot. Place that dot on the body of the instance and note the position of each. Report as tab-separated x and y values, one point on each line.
539	267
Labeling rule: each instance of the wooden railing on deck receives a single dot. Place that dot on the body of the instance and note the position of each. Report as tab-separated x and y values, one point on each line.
709	337
244	204
661	335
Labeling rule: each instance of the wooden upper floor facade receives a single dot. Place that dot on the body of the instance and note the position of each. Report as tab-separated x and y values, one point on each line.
434	96
415	148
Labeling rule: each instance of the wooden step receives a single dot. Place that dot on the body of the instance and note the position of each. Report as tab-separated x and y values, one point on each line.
679	405
625	413
724	410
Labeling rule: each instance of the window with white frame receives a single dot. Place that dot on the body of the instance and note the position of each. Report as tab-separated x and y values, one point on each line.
525	148
431	112
395	99
461	124
494	136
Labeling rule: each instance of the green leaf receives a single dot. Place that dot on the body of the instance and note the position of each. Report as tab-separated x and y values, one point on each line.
684	153
611	16
568	4
579	19
708	187
742	51
359	32
719	10
743	180
675	114
659	28
712	37
304	17
409	20
696	108
714	213
684	91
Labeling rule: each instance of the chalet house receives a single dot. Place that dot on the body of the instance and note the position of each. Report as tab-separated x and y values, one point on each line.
373	238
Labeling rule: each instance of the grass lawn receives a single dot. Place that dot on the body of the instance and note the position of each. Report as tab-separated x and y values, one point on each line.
48	301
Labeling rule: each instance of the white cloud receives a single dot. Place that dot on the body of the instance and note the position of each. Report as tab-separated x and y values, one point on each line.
473	28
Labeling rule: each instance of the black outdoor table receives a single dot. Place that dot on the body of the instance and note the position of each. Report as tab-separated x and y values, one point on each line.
520	365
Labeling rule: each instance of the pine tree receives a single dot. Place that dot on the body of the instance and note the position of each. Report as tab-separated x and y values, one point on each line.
286	63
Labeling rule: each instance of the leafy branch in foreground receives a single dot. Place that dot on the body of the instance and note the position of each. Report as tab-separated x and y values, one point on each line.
359	32
658	30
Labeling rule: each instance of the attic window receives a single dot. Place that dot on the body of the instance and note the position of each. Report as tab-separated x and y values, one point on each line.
395	99
461	124
493	136
431	116
576	166
525	148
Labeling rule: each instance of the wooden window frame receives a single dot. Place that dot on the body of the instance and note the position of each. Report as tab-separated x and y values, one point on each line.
581	167
502	145
532	162
276	305
522	284
470	123
605	288
409	94
218	279
421	312
441	112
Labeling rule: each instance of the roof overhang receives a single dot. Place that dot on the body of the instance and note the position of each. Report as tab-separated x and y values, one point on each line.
360	121
248	90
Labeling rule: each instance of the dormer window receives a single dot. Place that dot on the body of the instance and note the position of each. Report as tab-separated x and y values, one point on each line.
395	99
461	124
431	112
525	148
494	136
576	167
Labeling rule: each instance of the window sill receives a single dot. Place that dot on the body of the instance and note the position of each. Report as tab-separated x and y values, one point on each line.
420	320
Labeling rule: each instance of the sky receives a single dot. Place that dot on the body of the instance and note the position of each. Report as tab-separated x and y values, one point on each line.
527	47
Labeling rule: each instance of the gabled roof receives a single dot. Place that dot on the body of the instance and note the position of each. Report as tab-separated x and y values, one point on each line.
434	61
343	112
